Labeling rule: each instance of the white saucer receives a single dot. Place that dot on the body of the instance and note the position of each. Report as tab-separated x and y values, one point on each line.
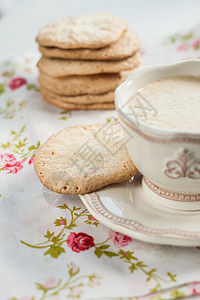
127	209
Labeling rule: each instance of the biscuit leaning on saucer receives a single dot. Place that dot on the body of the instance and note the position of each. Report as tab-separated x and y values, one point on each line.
83	31
56	67
79	160
126	46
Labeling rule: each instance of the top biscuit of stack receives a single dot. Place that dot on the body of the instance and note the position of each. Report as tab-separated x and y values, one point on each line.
87	31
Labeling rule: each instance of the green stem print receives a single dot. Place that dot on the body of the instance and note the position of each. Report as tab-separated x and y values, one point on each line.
10	79
184	38
18	146
71	288
82	241
11	67
136	265
11	108
184	42
9	74
55	245
32	86
54	242
65	114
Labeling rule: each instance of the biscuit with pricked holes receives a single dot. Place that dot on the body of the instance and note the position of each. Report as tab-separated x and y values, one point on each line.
82	159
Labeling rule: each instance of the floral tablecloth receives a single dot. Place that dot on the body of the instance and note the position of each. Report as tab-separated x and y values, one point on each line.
51	247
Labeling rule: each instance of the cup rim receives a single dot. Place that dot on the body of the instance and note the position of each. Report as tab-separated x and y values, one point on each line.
143	127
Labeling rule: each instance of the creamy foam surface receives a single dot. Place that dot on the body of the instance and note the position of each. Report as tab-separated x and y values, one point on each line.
171	103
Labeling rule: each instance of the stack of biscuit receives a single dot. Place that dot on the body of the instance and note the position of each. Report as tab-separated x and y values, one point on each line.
84	59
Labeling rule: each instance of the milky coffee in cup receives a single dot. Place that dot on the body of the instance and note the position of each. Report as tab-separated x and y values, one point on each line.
169	104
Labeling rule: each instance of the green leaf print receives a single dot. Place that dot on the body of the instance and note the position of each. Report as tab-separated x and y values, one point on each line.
41	287
2	88
175	294
48	235
54	251
172	277
133	267
32	86
187	36
110	253
65	114
98	252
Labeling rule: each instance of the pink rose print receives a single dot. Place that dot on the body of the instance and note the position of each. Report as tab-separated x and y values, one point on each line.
7	158
92	218
142	53
13	167
181	47
10	115
31	160
28	70
80	241
95	281
5	74
194	288
76	292
50	283
62	222
16	83
196	44
119	239
26	298
75	270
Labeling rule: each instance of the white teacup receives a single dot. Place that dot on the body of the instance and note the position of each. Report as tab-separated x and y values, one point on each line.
168	160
